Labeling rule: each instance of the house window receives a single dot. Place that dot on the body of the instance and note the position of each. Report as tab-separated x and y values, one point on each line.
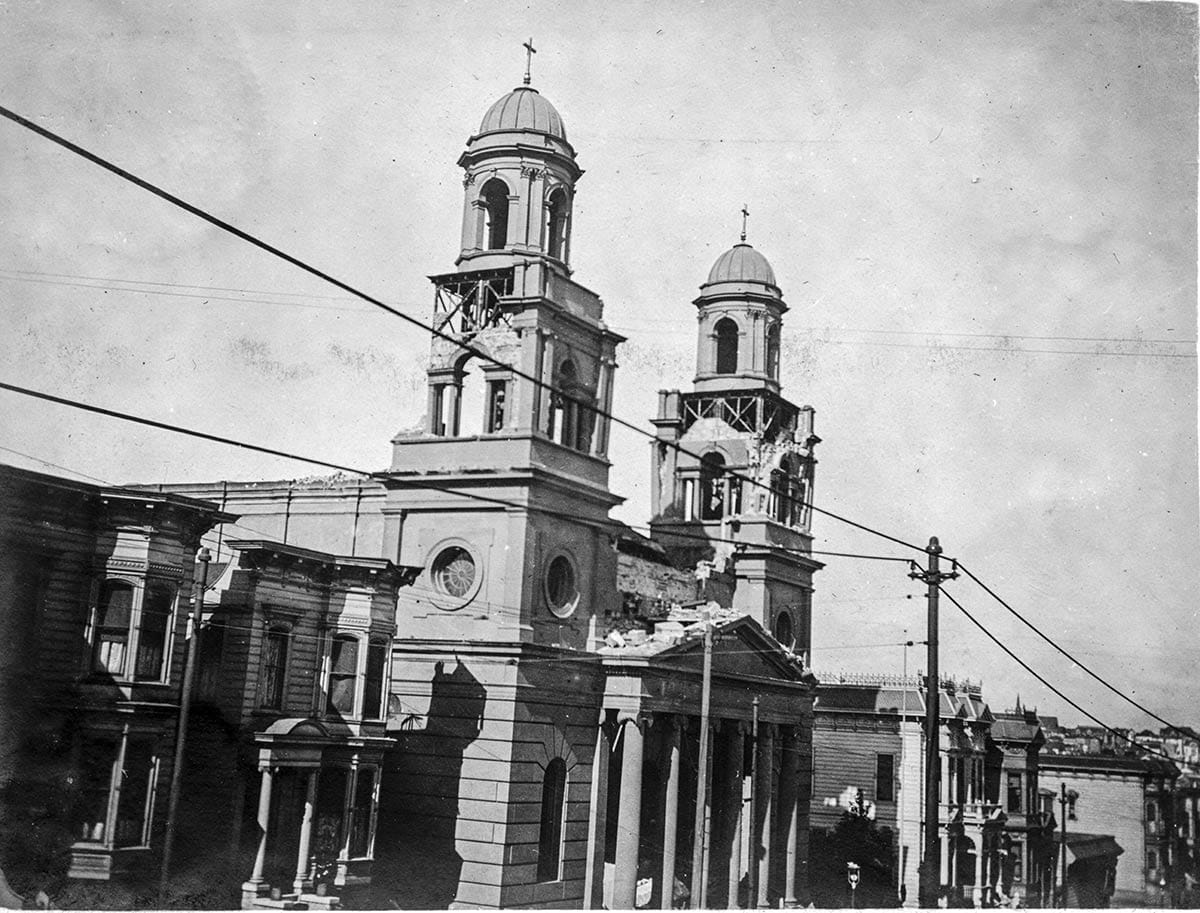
885	778
373	690
124	624
1017	857
1152	864
274	667
117	782
343	675
361	813
726	332
1071	797
113	615
154	631
554	792
1015	791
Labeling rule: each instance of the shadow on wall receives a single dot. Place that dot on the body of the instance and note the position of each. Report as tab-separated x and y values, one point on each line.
417	865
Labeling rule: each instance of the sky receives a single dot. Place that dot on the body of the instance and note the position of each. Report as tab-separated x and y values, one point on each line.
982	216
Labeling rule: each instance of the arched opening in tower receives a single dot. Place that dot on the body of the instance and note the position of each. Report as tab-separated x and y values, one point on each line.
471	406
773	352
712	487
495	213
556	224
726	332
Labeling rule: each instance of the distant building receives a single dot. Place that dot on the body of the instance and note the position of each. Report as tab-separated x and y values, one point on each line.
869	739
1122	798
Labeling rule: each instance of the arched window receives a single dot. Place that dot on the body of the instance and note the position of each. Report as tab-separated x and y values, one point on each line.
785	492
274	667
726	332
773	352
569	422
783	629
494	196
554	794
472	401
556	224
712	487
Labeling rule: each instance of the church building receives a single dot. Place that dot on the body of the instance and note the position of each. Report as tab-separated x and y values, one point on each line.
577	715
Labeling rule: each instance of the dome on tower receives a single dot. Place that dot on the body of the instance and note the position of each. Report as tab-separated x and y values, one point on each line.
741	263
524	109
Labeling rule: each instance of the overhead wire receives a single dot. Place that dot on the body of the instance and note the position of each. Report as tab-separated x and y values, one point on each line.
1024	665
434	331
1079	664
408	318
391	479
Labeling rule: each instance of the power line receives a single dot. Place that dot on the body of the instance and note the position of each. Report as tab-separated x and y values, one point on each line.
1040	633
409	483
1012	349
1024	665
465	346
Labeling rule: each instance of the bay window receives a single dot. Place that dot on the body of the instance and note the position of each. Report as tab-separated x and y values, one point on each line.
131	622
356	679
117	777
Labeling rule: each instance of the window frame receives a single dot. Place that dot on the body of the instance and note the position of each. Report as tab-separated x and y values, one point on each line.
888	795
552	821
723	340
133	628
364	642
118	774
273	628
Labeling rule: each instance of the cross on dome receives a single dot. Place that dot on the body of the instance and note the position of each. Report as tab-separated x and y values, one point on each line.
745	216
530	50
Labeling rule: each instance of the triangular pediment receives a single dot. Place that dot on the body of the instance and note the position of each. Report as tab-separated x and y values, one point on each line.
741	649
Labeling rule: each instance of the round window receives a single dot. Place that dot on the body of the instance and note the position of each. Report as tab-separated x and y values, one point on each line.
454	572
562	591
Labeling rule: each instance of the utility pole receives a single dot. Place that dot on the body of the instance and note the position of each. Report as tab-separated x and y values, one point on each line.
185	700
752	832
930	872
1063	849
699	887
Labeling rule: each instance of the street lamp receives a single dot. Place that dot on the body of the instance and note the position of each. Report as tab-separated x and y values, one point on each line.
852	877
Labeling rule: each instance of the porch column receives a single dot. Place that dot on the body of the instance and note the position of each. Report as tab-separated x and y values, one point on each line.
735	748
593	884
670	814
977	891
790	809
264	821
765	791
347	822
303	879
629	814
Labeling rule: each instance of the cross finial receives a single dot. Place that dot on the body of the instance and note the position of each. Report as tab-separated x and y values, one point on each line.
745	216
530	50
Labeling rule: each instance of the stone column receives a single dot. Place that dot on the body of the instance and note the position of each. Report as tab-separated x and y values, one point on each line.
735	748
789	808
264	821
303	876
670	814
593	884
629	814
764	814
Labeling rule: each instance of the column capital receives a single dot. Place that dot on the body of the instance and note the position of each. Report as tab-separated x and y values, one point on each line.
639	718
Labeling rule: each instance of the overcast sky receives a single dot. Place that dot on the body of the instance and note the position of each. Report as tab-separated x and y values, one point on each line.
982	215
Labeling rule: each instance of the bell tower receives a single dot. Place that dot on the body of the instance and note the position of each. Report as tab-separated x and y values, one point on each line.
738	424
532	565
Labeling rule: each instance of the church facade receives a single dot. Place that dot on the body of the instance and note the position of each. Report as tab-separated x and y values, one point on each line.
458	682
